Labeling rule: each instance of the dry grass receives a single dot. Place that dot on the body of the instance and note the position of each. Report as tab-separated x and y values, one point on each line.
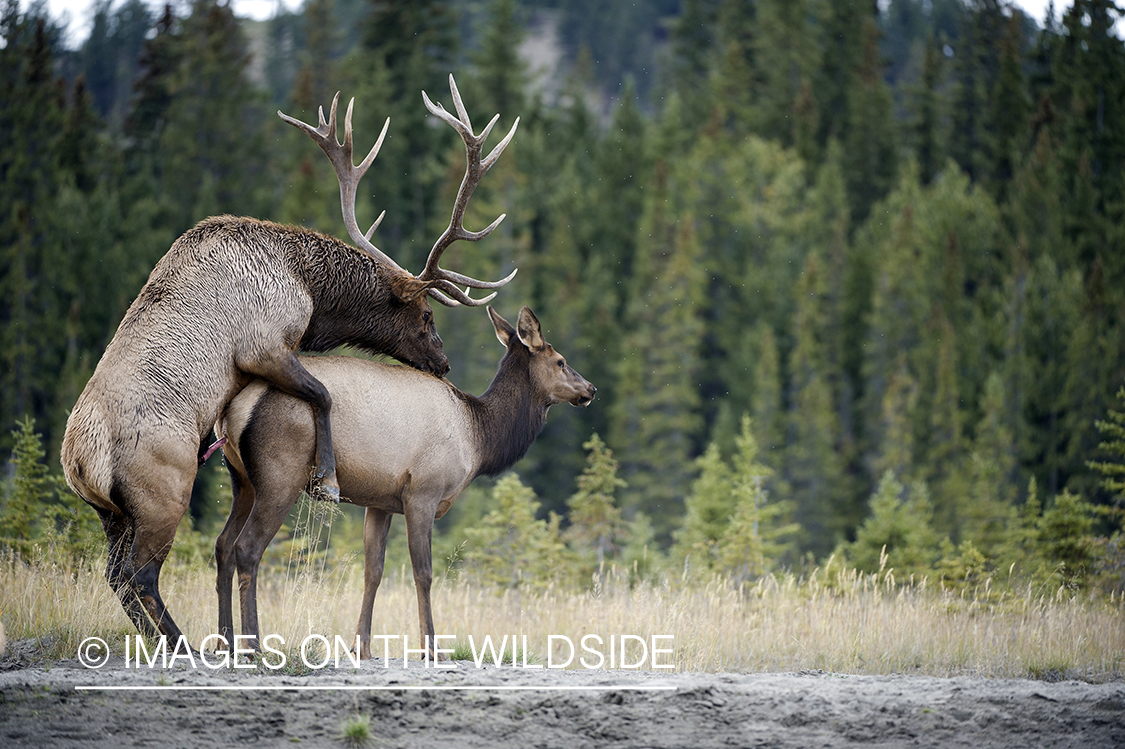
838	621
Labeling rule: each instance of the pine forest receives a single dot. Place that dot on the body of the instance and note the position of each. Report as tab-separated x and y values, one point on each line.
849	276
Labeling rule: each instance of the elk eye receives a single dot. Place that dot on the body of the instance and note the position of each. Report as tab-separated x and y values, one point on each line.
562	363
426	316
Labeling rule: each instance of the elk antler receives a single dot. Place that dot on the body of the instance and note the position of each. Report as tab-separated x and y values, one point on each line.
440	284
443	287
349	175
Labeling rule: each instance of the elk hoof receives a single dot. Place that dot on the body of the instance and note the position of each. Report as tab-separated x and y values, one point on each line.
324	490
326	493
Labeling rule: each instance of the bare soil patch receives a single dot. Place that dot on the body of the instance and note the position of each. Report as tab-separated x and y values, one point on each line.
508	706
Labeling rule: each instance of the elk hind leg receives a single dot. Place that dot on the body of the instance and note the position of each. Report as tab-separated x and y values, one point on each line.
158	506
276	487
119	535
243	503
376	525
288	375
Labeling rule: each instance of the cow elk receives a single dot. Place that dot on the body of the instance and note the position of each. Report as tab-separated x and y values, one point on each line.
231	301
407	443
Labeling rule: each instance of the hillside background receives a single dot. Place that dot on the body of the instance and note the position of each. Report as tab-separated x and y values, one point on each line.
890	234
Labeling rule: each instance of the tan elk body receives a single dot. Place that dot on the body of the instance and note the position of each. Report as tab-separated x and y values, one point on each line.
406	442
232	300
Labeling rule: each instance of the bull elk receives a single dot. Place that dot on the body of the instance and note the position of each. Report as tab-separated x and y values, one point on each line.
408	443
231	301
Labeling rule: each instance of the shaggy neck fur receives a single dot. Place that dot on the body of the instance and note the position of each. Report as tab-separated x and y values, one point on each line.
351	299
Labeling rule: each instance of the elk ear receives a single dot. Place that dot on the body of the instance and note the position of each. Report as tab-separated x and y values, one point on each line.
407	288
504	329
529	331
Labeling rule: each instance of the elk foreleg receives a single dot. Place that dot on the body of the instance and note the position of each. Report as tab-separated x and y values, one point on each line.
419	533
288	375
274	496
376	525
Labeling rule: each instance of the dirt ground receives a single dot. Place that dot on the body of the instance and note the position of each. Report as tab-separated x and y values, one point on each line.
68	705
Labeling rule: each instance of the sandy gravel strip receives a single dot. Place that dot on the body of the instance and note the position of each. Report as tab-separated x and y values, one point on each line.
69	706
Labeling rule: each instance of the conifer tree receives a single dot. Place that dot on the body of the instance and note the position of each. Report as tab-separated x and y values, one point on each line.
1066	536
692	51
1009	108
766	403
41	158
899	410
991	470
24	492
729	524
511	548
160	59
642	556
926	121
1033	209
409	47
840	30
621	169
500	75
812	464
596	527
755	225
937	257
110	56
313	86
707	512
870	144
900	527
945	468
975	71
760	532
656	415
786	57
308	199
99	58
737	77
1112	470
1088	69
1053	338
36	506
213	146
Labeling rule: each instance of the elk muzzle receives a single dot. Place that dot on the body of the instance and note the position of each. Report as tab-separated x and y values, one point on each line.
585	395
437	365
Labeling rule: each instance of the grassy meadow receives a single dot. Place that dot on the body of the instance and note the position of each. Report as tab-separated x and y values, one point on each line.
834	618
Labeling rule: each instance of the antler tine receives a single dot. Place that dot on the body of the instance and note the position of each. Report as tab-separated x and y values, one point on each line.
499	149
347	174
462	113
346	150
475	169
375	225
443	291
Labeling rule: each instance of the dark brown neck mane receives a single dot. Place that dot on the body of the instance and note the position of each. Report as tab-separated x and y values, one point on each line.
350	298
506	419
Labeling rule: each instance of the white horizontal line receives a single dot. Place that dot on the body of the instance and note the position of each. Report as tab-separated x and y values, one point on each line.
358	688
